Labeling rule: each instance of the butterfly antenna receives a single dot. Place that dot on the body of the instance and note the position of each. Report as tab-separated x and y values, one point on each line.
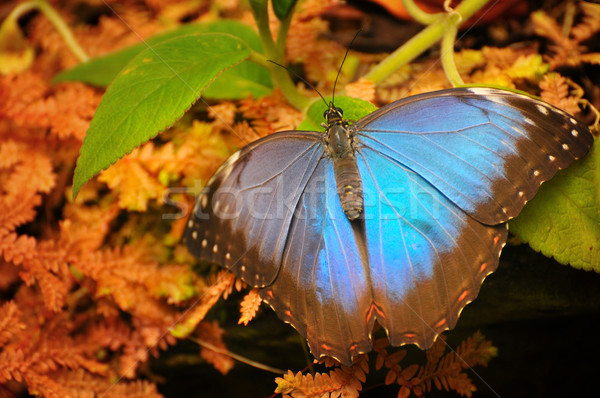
301	78
343	60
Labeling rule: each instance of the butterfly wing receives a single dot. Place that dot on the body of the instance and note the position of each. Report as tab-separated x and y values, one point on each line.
322	288
487	150
427	257
242	218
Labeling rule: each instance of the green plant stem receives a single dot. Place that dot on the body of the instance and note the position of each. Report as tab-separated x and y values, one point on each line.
453	21
56	20
261	16
275	53
421	42
283	30
417	14
283	80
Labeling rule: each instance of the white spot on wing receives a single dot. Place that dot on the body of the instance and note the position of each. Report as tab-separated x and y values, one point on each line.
536	173
552	158
574	133
542	109
565	147
204	201
195	235
190	223
204	243
215	248
572	120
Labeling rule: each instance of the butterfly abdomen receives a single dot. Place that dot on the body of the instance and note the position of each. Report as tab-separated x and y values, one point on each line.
347	176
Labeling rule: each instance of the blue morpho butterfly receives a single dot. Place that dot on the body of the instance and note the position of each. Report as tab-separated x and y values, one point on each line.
396	218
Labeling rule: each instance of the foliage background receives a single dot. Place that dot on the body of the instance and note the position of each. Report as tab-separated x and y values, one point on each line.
91	289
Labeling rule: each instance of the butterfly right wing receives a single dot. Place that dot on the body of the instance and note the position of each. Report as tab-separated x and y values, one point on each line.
242	217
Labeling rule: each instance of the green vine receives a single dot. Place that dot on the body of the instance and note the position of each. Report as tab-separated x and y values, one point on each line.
54	18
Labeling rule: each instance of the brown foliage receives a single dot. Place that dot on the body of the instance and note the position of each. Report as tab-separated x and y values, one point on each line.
567	48
87	299
444	370
250	306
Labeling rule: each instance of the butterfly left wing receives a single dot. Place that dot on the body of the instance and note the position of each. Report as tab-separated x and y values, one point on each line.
242	218
487	150
427	257
322	288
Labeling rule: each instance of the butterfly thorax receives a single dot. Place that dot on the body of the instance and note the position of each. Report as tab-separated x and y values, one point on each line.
341	149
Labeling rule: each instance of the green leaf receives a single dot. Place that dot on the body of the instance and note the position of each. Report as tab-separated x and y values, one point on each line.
353	109
282	8
563	220
238	82
150	94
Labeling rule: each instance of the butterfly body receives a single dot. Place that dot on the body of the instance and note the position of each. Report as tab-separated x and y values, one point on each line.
396	218
341	148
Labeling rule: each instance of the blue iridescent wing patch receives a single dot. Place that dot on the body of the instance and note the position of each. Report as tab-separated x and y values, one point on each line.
323	286
242	217
487	150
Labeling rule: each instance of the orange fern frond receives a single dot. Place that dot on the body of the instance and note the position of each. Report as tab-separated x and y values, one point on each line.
442	370
134	184
447	371
84	229
546	26
223	115
10	323
362	88
590	23
223	285
568	49
249	306
269	114
212	333
556	91
71	109
78	383
18	209
44	346
341	381
24	174
42	263
475	351
20	99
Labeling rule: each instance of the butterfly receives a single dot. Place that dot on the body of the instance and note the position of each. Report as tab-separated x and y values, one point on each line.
395	218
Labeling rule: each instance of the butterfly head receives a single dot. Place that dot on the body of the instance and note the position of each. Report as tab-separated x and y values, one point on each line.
333	115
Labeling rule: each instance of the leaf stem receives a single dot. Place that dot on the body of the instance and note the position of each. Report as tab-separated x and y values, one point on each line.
453	21
284	27
422	41
56	20
285	83
417	14
237	357
275	53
